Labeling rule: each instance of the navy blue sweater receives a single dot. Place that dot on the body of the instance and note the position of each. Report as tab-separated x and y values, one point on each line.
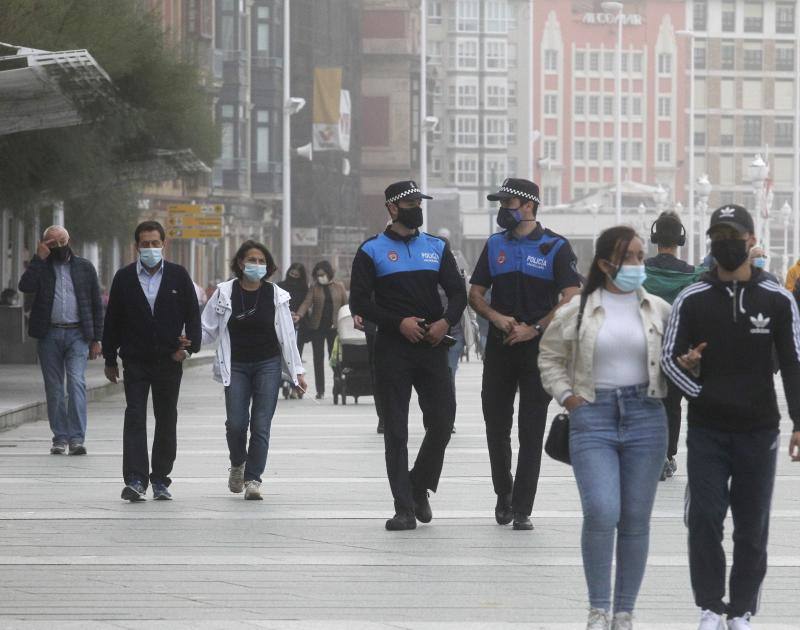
136	333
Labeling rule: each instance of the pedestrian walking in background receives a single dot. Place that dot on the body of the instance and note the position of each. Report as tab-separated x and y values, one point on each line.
667	276
151	303
531	272
252	320
792	275
66	319
600	358
394	283
718	350
296	284
323	301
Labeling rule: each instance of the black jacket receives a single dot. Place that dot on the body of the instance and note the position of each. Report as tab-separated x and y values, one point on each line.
734	389
138	334
395	277
40	279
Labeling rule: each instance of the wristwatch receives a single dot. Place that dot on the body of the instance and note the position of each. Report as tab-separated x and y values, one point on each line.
538	328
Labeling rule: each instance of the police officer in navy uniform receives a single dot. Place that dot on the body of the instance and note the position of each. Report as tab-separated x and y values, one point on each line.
394	283
531	272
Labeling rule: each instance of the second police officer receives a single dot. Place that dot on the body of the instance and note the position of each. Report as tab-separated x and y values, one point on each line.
394	283
531	271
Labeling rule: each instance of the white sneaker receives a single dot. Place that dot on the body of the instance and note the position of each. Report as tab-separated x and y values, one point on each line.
598	619
236	478
252	490
740	623
709	620
622	621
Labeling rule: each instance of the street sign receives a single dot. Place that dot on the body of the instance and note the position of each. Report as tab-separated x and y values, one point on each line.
196	208
189	220
197	232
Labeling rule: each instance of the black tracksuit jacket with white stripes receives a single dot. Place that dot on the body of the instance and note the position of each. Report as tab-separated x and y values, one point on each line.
741	322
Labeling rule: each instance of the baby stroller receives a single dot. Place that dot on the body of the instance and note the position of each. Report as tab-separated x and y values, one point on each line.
350	360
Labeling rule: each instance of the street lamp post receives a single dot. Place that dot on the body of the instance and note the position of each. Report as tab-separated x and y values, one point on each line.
786	215
423	107
703	192
660	197
615	8
759	171
594	210
690	36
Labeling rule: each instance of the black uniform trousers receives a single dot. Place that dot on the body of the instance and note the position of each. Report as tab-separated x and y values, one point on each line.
399	366
163	376
506	368
672	404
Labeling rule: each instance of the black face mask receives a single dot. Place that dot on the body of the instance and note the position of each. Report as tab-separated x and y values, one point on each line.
410	217
730	253
507	218
61	253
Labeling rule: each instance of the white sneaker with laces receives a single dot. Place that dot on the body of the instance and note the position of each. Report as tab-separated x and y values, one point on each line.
740	623
709	620
236	478
598	619
622	621
252	490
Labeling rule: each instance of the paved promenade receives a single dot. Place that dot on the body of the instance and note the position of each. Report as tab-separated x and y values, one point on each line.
314	554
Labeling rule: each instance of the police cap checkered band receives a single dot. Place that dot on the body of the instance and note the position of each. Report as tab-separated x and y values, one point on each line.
520	188
403	190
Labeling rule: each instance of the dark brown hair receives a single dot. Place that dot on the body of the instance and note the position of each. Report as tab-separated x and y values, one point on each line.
149	226
238	257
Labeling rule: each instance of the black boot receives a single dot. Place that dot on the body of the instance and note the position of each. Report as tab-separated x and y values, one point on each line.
402	520
522	522
502	511
422	507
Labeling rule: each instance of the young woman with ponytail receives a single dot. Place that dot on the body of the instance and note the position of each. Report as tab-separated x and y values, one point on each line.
600	358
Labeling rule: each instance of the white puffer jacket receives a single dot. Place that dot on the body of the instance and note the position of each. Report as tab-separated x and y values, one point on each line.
215	327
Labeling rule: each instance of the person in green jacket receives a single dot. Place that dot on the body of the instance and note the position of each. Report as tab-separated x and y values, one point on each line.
667	276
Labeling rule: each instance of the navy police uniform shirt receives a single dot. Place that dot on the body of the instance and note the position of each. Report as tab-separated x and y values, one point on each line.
395	277
526	275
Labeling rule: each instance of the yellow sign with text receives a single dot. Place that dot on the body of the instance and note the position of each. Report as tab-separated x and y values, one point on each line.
194	232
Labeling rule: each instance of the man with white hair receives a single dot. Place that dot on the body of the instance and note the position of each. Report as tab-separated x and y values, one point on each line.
67	320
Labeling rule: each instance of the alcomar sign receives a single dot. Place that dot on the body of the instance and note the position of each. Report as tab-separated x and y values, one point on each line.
629	19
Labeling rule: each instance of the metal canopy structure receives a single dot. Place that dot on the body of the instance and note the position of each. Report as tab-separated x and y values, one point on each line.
41	89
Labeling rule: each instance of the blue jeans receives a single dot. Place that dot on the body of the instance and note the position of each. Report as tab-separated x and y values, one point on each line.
617	446
250	401
65	351
454	353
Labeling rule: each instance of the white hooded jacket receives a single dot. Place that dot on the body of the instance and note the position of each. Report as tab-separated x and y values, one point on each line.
215	327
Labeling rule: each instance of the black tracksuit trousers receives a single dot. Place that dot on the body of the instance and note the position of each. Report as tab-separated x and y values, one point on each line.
735	470
399	366
506	368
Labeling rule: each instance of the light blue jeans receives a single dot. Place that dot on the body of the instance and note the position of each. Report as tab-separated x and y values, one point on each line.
250	402
64	351
617	446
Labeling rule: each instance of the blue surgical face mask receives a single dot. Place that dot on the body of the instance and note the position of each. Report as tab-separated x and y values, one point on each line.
254	273
760	262
630	277
150	256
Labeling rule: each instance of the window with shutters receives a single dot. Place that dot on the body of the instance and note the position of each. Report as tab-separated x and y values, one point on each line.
664	152
700	15
580	61
594	149
551	104
784	57
784	17
594	105
784	132
594	61
551	60
608	150
580	102
784	95
608	106
728	16
665	106
664	63
753	16
728	55
752	131
579	150
753	56
726	131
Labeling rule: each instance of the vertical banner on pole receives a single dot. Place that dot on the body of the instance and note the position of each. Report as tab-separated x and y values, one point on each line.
331	115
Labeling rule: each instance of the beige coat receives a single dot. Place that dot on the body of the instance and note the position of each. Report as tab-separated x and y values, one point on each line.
315	302
557	346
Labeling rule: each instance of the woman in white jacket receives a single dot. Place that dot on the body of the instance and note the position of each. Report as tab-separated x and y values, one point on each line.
601	358
250	318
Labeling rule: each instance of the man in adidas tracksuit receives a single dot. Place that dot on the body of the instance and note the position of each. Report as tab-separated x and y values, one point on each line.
718	351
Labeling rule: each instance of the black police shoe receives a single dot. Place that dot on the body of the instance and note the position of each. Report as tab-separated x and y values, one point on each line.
403	519
502	511
422	507
522	522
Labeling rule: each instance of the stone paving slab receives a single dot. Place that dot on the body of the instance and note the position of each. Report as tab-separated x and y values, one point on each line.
314	555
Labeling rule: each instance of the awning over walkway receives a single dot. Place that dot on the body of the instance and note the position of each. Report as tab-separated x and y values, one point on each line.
41	89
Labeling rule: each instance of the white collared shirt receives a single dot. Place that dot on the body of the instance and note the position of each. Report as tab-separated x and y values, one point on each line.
150	283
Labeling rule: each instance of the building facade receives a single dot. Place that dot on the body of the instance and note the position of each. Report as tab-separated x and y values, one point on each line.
389	119
574	110
746	70
479	93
